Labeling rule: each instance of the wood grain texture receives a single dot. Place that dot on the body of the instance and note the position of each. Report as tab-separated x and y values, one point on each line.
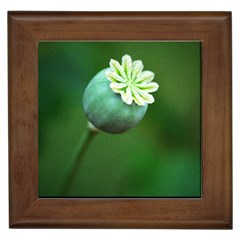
213	210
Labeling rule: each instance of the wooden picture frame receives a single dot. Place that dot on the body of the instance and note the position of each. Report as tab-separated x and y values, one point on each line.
213	210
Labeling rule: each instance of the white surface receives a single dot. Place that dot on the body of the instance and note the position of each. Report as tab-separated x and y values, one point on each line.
123	5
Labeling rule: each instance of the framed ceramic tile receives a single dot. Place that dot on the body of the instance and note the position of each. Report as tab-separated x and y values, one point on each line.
120	119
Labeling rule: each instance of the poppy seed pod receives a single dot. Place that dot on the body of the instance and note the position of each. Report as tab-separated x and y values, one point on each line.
106	110
117	98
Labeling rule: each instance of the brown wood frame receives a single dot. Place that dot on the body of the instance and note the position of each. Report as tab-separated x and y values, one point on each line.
213	210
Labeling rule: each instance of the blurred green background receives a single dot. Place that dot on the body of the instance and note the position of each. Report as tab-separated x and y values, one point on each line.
161	157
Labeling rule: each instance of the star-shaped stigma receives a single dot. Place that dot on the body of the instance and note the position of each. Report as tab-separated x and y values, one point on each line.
131	81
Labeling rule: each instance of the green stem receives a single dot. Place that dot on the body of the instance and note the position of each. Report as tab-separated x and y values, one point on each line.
73	172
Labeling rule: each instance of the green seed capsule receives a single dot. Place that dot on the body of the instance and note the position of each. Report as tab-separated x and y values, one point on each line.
106	110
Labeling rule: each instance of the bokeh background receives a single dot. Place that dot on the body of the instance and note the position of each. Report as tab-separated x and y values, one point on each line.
161	157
